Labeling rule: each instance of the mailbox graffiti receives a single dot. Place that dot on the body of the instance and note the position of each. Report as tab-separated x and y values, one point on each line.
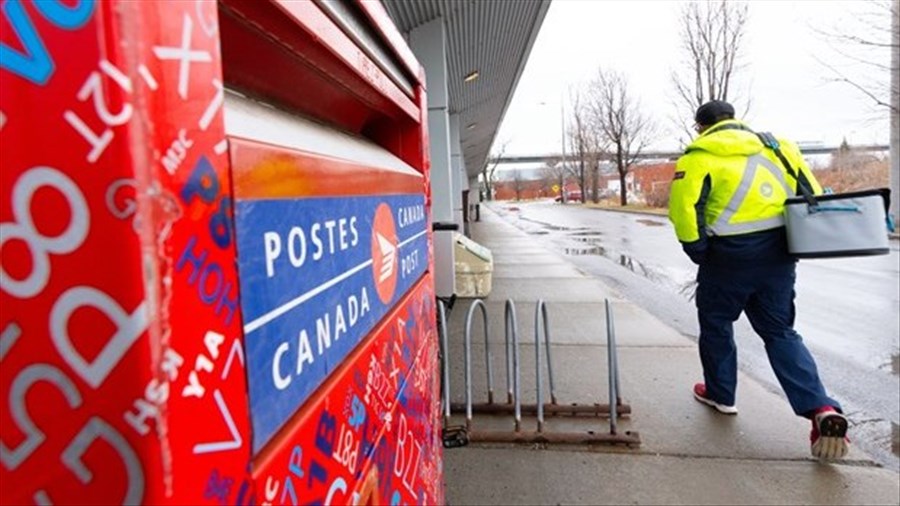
119	321
370	438
176	327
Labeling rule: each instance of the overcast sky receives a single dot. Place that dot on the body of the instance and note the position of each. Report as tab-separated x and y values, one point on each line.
791	91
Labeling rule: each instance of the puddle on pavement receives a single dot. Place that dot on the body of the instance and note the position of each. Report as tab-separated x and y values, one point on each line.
588	236
892	365
589	243
581	250
555	228
633	265
895	439
651	223
592	248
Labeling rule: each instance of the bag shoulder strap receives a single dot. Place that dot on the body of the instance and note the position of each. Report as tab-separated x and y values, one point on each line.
772	143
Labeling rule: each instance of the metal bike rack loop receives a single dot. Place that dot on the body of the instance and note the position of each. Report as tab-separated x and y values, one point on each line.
613	365
460	435
453	436
445	365
539	385
512	328
511	341
542	322
553	408
478	303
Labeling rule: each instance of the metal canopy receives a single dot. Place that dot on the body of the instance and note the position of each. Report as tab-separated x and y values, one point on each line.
491	37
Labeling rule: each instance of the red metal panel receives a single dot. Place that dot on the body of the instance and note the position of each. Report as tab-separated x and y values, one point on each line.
292	55
369	436
266	171
374	10
310	39
122	353
309	16
120	325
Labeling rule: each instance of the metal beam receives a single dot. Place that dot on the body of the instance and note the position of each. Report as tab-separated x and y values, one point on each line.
673	155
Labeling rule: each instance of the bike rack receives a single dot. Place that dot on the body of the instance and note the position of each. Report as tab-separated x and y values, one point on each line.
553	408
454	436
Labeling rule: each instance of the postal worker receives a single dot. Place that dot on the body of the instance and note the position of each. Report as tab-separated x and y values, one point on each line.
726	204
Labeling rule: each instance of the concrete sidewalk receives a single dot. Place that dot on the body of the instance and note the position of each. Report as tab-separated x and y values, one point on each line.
690	454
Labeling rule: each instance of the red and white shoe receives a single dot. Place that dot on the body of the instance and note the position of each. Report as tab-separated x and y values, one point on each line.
700	395
828	439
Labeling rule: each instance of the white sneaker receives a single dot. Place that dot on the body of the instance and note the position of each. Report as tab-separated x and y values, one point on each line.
828	439
700	395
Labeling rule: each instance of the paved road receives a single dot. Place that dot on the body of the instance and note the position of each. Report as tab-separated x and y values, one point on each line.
848	309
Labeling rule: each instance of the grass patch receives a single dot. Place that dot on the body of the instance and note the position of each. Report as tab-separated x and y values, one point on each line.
613	205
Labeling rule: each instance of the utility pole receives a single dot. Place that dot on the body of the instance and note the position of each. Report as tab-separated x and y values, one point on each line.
562	118
895	111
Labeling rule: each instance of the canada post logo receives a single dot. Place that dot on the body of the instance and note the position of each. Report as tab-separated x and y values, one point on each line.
384	253
316	276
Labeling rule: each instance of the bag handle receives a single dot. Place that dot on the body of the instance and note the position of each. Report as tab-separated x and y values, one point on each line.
771	142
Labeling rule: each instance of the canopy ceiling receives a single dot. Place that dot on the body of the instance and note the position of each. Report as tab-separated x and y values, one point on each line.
492	37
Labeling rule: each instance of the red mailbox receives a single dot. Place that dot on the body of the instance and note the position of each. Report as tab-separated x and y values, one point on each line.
216	257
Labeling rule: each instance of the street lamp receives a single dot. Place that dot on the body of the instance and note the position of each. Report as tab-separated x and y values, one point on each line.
562	118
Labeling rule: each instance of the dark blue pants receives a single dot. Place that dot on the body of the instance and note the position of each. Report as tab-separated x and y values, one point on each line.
766	295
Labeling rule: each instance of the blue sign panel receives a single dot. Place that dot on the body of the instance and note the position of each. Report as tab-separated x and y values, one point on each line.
316	275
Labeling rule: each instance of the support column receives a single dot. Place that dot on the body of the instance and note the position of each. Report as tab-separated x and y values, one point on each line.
475	199
895	112
458	170
429	42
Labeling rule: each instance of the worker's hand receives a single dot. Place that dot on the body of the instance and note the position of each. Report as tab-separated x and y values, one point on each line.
696	250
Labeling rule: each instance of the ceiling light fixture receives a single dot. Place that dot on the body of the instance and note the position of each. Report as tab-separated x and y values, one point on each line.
470	126
471	76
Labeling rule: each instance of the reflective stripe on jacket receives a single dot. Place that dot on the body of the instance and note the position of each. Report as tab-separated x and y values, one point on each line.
737	184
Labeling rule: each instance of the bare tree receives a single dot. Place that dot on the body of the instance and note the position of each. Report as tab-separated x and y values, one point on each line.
587	146
490	168
862	44
711	36
620	123
518	183
867	58
578	132
597	149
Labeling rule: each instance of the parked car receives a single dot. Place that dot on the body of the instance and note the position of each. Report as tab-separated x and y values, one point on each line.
571	196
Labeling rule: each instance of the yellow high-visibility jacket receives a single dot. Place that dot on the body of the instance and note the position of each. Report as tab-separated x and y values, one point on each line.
728	183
